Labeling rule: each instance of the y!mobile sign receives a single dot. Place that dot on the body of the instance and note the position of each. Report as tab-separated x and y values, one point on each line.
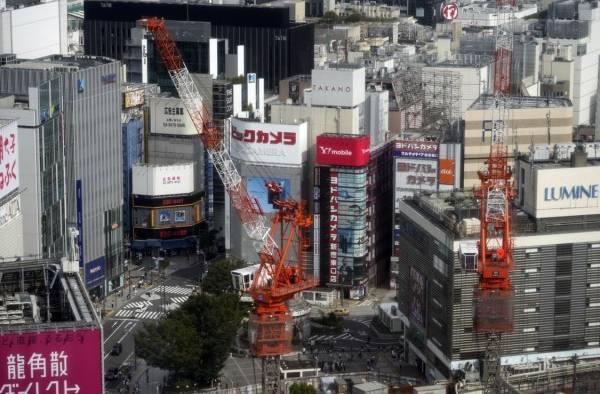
9	159
333	227
268	142
343	150
57	362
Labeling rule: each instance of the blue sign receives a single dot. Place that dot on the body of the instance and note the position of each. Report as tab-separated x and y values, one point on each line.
570	193
257	188
79	198
109	78
94	271
251	77
80	85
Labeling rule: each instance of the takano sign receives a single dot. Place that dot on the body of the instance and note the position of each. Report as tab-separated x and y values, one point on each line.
342	150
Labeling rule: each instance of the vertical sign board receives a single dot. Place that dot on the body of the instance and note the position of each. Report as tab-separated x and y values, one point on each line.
333	227
416	167
144	60
79	198
418	294
9	159
446	176
51	362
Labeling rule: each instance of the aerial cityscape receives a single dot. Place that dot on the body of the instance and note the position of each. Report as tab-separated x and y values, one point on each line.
300	196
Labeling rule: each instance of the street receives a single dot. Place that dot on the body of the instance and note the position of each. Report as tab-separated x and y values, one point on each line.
144	305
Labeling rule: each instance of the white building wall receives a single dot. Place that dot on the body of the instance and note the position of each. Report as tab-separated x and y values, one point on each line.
35	31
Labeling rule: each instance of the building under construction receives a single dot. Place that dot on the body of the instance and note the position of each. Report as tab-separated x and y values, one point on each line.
556	276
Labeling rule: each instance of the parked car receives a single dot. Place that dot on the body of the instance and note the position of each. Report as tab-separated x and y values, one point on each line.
117	349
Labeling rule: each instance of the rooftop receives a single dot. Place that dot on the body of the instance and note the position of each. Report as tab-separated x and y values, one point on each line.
61	62
489	102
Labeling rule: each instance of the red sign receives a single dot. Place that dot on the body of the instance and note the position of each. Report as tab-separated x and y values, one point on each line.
333	227
446	172
57	362
450	11
340	150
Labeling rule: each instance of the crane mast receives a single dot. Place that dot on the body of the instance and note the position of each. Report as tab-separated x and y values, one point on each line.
494	294
277	279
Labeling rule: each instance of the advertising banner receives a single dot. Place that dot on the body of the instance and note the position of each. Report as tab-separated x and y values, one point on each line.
417	297
343	150
10	210
133	98
417	149
567	192
57	362
416	174
94	271
257	189
446	172
268	143
153	180
79	203
333	227
338	87
9	159
169	116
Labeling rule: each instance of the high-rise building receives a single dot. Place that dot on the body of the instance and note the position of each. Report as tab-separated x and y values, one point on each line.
276	47
93	158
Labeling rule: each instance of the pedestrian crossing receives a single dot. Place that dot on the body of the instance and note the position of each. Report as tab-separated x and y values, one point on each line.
138	304
179	300
328	338
174	290
146	315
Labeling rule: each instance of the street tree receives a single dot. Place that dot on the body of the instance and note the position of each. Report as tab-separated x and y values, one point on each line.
302	388
218	277
192	342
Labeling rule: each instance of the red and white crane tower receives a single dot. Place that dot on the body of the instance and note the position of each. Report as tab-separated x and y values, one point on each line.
494	295
277	279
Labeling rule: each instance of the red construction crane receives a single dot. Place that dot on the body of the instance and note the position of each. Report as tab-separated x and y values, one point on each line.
277	279
494	295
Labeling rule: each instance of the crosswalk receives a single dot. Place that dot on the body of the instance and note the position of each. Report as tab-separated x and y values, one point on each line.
174	290
327	338
147	315
138	304
179	300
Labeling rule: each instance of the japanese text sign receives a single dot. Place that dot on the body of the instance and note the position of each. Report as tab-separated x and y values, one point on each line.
9	159
57	362
333	227
417	149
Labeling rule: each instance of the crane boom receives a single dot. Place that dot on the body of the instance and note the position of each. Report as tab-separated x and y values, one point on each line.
253	221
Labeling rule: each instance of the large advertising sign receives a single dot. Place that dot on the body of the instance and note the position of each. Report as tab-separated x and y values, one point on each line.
446	172
417	297
169	116
57	362
257	188
79	203
133	98
268	142
567	192
10	210
333	227
417	149
416	174
9	159
154	180
95	271
343	150
338	87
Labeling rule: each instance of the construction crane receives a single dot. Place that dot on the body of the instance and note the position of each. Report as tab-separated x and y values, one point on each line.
277	280
494	295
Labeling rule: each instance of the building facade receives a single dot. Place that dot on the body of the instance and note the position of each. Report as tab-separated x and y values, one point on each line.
275	47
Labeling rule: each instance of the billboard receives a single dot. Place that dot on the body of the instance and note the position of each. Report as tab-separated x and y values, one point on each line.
415	174
79	203
567	192
10	210
338	87
9	159
155	180
133	98
342	150
268	143
94	271
333	227
446	175
417	149
417	297
51	362
169	116
257	189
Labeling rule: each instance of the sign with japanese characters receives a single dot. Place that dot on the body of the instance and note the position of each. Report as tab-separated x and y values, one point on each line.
416	174
155	180
169	116
57	362
9	159
268	143
417	149
333	227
